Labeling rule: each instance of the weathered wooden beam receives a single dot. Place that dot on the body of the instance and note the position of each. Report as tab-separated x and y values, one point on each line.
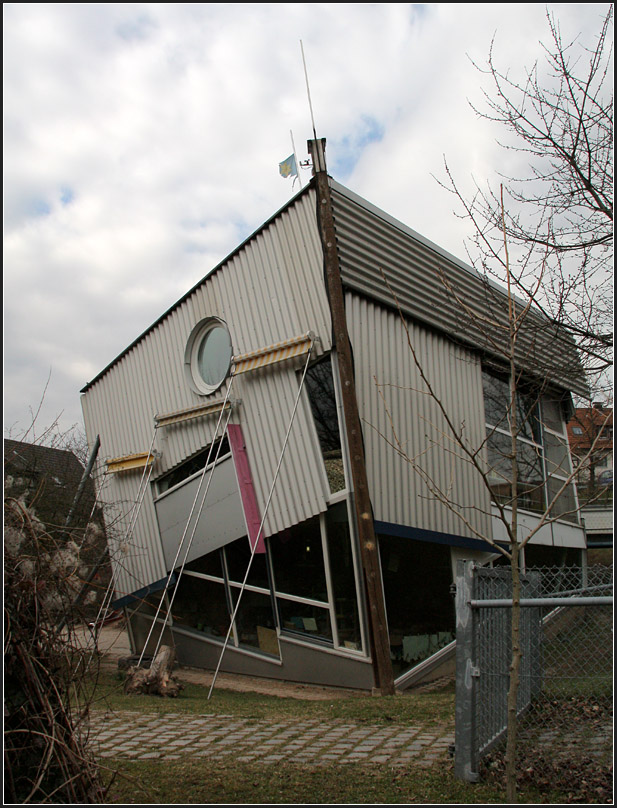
380	642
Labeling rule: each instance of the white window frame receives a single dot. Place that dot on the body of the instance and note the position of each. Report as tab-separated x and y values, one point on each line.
191	364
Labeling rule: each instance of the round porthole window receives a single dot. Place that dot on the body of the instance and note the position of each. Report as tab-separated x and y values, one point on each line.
208	356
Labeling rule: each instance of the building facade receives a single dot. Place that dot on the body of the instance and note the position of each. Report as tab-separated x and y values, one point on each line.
228	463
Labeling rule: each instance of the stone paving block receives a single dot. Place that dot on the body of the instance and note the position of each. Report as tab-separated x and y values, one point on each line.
315	742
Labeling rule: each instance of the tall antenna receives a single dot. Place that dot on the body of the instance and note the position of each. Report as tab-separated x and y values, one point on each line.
308	91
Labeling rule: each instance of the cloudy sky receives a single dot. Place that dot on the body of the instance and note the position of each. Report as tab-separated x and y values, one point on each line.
142	143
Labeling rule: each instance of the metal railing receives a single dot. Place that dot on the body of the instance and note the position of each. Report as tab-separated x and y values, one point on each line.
565	693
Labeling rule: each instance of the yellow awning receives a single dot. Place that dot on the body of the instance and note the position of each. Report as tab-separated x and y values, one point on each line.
201	410
296	346
130	462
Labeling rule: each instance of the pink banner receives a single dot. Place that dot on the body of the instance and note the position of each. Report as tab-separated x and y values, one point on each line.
245	483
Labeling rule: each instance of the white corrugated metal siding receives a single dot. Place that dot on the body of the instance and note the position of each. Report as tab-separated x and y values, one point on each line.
384	366
437	289
269	290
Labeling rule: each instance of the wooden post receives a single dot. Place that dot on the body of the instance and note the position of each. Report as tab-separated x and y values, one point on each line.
380	643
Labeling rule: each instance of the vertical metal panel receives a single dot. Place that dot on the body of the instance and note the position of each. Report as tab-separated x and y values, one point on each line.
269	290
400	417
221	520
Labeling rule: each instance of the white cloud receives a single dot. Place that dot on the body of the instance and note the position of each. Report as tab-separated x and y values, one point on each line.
142	144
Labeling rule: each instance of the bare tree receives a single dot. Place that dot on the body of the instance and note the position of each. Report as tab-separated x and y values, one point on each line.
556	123
546	233
522	463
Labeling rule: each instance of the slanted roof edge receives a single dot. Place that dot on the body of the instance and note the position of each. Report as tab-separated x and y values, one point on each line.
208	275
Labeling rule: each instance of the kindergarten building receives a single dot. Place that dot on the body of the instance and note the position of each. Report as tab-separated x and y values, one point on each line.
225	437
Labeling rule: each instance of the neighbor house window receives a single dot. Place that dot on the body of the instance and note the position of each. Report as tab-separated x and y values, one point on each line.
208	356
543	458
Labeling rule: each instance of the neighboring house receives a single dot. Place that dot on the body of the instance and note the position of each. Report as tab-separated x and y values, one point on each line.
242	374
47	479
590	434
40	485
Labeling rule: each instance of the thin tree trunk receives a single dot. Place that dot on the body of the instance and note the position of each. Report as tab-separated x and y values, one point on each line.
515	662
515	667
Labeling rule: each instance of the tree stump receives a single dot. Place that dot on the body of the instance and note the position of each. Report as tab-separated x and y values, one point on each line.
157	680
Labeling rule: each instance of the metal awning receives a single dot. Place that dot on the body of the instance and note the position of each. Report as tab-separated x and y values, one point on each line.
278	352
200	411
130	462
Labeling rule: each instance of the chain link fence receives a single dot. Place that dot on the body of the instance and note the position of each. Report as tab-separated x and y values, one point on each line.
565	695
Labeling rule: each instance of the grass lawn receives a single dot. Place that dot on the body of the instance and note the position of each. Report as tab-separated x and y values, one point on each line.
202	781
405	708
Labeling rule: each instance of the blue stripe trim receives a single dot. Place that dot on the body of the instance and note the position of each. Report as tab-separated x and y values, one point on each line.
434	536
126	600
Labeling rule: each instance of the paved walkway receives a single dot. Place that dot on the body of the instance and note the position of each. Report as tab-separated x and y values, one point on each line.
173	735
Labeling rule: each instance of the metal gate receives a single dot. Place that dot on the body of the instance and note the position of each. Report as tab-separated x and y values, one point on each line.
483	648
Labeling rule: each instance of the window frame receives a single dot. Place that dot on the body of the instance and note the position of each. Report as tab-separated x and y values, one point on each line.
534	427
539	428
197	339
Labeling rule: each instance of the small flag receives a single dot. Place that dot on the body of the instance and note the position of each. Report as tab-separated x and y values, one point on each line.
288	167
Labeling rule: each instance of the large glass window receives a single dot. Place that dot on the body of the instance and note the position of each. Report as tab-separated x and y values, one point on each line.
419	605
502	420
216	451
530	487
308	574
255	620
543	459
320	386
238	556
305	618
314	580
202	605
298	563
343	577
208	591
558	463
498	408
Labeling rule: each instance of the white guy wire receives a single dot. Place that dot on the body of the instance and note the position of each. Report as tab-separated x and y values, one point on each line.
263	519
190	543
188	521
141	492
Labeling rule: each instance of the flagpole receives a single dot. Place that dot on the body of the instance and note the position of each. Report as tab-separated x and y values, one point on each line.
293	146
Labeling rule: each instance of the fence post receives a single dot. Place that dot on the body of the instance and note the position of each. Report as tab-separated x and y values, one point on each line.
465	746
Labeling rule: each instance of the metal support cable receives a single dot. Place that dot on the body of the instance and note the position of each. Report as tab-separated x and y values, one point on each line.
141	491
188	522
190	543
263	519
